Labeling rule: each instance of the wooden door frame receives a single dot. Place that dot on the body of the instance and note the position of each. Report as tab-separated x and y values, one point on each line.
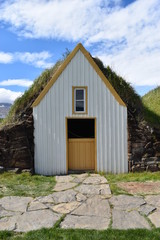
95	137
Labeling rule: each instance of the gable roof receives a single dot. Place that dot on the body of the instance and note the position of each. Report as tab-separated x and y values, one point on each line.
64	65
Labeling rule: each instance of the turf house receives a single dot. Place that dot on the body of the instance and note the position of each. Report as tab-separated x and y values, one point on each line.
79	116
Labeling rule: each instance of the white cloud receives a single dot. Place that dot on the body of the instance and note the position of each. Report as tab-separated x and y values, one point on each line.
17	82
140	70
127	38
5	57
37	59
8	95
73	19
34	18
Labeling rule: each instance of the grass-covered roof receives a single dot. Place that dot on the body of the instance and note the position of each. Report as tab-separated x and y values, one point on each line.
132	100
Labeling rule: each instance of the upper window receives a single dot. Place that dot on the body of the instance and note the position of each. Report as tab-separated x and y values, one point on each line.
80	100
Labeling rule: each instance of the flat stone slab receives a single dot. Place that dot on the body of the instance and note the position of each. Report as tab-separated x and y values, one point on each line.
35	220
5	213
7	224
64	186
89	189
36	205
65	208
128	220
146	209
95	180
155	218
125	202
14	203
64	197
80	197
140	187
105	189
94	206
85	222
79	178
94	175
82	175
153	200
45	199
64	179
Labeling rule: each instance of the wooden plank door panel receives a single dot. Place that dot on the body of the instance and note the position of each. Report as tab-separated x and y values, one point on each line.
81	154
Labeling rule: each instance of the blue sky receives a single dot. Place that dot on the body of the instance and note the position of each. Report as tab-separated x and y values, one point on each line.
34	34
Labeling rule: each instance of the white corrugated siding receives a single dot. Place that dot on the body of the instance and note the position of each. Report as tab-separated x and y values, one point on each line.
50	114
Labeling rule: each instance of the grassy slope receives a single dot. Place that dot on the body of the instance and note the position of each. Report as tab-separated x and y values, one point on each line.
151	103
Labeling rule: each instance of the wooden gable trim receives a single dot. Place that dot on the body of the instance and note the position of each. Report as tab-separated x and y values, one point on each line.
64	65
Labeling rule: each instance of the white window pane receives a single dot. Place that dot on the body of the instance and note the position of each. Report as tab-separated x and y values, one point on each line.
79	106
79	94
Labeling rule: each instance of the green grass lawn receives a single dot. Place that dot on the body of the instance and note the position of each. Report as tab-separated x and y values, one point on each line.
25	184
61	234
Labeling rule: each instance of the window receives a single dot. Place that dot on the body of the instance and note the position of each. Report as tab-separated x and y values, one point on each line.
79	99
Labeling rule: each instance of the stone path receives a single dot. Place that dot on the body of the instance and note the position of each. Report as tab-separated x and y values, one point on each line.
85	201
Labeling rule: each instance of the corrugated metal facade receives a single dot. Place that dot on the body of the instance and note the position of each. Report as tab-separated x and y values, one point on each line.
51	112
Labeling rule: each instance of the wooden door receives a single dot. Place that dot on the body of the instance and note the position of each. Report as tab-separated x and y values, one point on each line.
81	153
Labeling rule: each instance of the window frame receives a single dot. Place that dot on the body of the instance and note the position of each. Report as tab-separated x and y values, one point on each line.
74	88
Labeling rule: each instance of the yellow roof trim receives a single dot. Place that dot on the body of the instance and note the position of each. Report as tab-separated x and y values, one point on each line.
64	65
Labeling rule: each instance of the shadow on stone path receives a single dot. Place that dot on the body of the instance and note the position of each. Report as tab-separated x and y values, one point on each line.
87	203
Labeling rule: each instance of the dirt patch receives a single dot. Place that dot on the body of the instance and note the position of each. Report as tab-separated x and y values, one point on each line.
140	188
